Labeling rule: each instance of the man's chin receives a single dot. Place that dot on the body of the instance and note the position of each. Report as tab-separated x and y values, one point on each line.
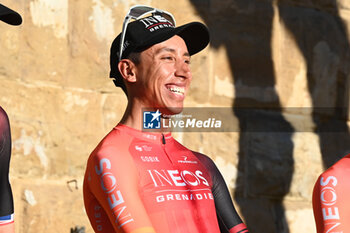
169	111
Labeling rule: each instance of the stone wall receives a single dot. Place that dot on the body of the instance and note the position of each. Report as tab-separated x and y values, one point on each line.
289	55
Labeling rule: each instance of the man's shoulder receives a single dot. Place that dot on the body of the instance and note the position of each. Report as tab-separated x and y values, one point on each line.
201	155
204	159
113	144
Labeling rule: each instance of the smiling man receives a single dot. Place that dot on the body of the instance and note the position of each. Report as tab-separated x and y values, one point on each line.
144	182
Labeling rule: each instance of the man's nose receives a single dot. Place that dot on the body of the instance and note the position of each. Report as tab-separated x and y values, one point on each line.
183	70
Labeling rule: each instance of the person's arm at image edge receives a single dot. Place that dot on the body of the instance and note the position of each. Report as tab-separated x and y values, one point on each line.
7	228
330	195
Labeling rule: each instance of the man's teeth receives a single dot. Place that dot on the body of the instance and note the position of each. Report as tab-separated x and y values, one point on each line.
177	90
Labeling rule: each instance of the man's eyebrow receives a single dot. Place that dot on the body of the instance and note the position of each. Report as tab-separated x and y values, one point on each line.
167	49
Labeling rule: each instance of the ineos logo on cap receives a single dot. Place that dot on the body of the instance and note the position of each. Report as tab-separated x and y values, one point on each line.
156	22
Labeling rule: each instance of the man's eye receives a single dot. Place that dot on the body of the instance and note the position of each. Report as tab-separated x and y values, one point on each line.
168	58
188	62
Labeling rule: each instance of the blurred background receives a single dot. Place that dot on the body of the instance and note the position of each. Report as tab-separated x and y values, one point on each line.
290	57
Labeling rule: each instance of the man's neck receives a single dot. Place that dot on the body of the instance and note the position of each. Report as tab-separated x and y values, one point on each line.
133	117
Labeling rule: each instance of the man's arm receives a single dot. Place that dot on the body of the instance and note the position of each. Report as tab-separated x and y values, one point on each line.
7	228
330	199
113	179
6	199
226	212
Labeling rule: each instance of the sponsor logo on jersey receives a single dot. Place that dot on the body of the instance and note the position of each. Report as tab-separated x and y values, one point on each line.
150	159
162	178
187	161
328	197
189	196
114	196
143	148
180	185
98	216
151	120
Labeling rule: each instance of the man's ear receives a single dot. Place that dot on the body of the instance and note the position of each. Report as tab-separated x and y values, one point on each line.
127	70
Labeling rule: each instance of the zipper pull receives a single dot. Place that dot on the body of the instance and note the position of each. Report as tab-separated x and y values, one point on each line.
163	139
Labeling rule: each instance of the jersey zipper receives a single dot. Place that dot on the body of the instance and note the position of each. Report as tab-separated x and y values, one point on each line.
163	146
163	139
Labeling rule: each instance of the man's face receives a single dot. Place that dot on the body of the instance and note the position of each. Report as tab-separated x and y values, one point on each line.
164	76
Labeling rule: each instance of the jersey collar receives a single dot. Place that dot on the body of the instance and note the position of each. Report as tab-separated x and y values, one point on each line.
148	136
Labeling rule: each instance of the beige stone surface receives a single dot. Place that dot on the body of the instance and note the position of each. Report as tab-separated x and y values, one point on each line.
43	205
289	54
300	216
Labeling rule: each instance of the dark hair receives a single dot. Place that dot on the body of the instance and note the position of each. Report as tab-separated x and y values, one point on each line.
135	58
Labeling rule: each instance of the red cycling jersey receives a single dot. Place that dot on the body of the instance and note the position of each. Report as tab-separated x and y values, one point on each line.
330	198
146	182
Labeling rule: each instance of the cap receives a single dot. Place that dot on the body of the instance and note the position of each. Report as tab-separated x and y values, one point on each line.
145	32
9	16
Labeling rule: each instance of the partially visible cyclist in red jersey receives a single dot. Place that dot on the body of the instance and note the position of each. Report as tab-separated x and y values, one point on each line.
330	198
147	182
6	200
